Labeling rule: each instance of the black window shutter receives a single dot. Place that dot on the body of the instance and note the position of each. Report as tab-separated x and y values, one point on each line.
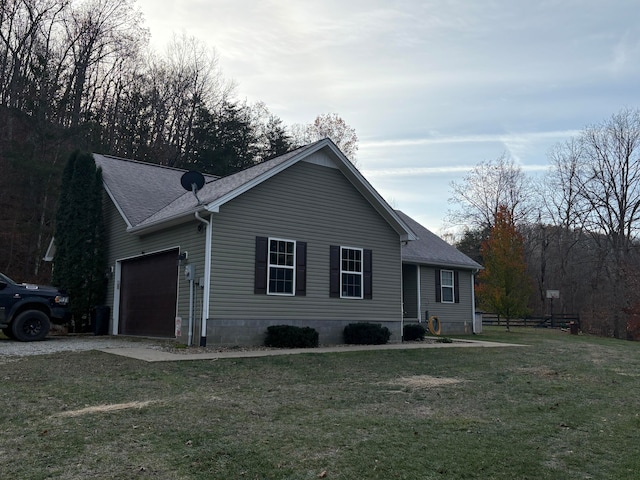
456	287
301	268
438	289
260	275
367	266
334	271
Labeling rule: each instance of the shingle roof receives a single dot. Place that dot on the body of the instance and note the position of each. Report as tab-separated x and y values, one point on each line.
140	189
214	190
429	249
150	197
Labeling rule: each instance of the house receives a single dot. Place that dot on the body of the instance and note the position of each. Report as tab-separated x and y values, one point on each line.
437	281
302	239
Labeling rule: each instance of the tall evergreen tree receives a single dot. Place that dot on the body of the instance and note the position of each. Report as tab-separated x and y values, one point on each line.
79	264
504	285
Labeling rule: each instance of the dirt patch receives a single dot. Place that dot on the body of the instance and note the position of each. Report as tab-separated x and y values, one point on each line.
424	381
105	408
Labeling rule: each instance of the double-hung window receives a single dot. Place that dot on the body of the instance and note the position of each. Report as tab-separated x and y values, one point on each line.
281	267
351	272
447	286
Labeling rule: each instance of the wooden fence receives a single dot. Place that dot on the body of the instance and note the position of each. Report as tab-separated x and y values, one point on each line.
548	321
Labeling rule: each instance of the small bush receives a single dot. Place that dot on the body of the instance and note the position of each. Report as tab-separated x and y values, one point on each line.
366	334
413	331
290	336
444	340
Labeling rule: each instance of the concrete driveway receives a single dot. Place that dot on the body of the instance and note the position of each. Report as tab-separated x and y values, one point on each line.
157	350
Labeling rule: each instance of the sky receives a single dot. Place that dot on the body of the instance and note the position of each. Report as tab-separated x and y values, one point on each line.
432	87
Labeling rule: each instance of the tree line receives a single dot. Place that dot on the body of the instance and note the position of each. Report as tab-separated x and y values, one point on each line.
79	74
579	223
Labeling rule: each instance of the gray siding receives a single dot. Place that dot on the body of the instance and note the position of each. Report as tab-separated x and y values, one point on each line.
315	204
455	318
122	245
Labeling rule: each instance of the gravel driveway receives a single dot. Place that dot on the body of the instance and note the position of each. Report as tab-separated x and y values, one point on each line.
55	344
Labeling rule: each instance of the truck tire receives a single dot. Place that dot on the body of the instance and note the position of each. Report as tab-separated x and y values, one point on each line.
30	326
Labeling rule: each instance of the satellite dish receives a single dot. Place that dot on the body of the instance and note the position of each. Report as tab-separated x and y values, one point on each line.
192	181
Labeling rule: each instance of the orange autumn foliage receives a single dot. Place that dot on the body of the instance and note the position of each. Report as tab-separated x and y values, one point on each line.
504	285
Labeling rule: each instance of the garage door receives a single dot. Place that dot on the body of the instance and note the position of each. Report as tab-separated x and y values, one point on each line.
148	292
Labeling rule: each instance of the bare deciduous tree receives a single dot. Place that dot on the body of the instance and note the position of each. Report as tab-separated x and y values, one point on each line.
329	125
490	185
594	190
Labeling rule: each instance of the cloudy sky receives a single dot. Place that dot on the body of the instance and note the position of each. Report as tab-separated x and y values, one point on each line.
432	87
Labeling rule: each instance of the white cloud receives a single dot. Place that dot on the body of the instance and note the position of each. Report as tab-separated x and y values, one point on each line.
477	138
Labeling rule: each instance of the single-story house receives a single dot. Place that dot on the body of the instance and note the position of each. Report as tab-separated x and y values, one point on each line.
302	239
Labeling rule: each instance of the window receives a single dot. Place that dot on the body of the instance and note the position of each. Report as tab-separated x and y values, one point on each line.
350	272
280	267
447	286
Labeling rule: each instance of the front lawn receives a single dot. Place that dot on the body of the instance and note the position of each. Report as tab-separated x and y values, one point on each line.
563	407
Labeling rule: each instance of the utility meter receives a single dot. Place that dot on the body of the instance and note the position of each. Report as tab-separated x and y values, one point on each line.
190	272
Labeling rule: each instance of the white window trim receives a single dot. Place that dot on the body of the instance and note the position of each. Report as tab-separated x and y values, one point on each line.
360	273
293	268
452	287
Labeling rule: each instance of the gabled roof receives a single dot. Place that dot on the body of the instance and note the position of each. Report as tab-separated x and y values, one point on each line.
139	189
150	197
429	249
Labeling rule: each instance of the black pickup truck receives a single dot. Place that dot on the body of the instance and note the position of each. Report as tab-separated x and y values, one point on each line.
27	311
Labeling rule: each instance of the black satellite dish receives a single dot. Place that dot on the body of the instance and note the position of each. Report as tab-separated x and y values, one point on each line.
192	181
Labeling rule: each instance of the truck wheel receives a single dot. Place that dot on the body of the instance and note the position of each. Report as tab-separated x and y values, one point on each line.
31	325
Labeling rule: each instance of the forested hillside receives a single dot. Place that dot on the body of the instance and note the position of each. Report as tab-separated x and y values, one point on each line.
80	75
580	223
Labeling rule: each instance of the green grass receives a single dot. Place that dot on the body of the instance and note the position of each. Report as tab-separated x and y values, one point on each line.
564	407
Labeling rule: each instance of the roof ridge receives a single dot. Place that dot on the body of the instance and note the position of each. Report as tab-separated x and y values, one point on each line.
150	164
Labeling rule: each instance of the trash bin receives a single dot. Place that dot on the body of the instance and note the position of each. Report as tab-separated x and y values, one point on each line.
101	320
573	328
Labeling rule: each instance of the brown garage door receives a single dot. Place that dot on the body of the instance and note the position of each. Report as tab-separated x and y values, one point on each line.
148	292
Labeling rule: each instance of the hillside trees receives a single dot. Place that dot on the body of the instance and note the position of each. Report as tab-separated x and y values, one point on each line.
582	237
598	179
79	74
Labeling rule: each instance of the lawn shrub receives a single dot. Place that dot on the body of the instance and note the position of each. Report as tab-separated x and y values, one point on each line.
413	331
290	336
366	334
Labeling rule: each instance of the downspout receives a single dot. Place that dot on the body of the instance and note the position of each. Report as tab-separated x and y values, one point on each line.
419	288
402	243
207	279
473	300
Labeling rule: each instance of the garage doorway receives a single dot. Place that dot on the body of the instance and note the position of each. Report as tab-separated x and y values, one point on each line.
148	294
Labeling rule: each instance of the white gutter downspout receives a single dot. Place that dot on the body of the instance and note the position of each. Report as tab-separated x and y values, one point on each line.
473	301
419	280
207	279
402	243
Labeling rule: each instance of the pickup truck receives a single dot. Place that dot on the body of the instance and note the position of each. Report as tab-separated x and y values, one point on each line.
27	311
